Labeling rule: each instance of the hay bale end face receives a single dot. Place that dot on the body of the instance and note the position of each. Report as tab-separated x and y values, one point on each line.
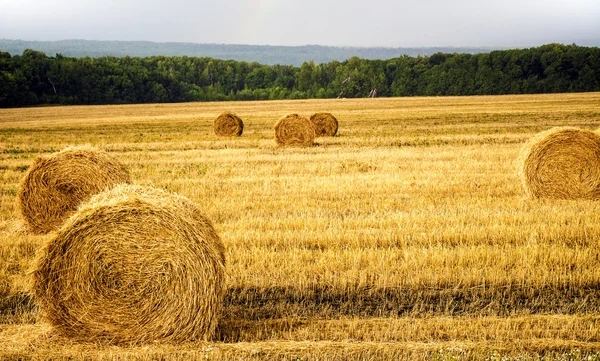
228	124
562	163
133	265
294	130
56	185
326	125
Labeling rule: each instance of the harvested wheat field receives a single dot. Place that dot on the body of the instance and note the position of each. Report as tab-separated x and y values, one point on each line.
408	235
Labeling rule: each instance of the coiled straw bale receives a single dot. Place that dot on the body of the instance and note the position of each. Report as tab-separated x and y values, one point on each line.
56	185
326	125
562	163
294	130
228	124
133	265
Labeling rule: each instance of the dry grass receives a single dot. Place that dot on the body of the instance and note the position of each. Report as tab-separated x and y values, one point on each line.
489	339
408	235
136	265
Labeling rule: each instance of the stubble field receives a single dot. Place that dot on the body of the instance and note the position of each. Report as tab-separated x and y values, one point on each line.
407	235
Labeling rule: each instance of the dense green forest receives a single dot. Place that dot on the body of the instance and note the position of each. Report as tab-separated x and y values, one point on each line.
34	78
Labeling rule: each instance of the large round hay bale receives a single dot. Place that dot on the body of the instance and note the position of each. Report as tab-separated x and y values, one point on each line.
228	124
562	163
294	130
326	125
56	185
133	265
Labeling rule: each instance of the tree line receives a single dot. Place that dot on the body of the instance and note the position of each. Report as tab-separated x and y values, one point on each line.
34	78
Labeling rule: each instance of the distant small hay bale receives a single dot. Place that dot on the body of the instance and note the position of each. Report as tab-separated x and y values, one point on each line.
326	125
294	130
133	265
56	185
228	124
562	163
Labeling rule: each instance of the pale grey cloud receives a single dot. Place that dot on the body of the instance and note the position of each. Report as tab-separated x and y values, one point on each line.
327	22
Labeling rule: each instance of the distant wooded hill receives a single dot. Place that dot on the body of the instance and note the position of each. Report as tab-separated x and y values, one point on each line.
263	54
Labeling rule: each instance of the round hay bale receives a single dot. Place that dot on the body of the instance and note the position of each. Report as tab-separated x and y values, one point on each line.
56	185
562	163
133	265
294	130
228	124
326	125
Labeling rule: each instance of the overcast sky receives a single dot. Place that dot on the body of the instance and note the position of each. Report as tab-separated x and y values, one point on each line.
401	23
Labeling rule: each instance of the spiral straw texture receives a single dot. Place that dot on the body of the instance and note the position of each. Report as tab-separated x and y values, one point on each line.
294	130
326	125
133	265
228	124
56	185
562	163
